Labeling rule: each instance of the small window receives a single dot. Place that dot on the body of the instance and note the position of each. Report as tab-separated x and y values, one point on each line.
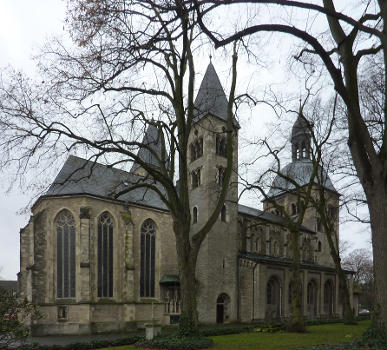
319	246
294	209
221	146
62	313
196	178
223	213
220	174
194	215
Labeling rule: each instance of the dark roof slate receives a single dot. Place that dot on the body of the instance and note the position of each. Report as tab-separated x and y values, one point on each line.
286	261
151	139
80	176
211	98
300	171
9	285
266	216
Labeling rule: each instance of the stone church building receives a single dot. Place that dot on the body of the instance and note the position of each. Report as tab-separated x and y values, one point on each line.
96	263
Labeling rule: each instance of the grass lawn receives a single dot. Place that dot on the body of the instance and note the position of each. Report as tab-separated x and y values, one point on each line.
322	334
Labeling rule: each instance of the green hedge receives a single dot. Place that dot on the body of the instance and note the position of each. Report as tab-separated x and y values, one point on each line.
174	342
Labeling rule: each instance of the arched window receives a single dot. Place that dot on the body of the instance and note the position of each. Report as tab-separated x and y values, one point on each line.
269	293
220	174
223	213
319	246
194	215
294	209
105	256
275	248
258	245
65	255
221	145
309	293
303	150
148	249
196	149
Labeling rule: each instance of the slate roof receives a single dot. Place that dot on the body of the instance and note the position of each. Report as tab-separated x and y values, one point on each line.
300	171
263	215
9	285
286	261
80	176
211	98
151	139
301	127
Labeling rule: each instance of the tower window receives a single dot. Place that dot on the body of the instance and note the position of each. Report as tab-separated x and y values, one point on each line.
196	149
223	213
195	178
294	209
194	215
221	146
220	174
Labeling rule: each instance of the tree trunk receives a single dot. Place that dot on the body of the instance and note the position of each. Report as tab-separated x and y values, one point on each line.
377	205
297	322
187	257
348	311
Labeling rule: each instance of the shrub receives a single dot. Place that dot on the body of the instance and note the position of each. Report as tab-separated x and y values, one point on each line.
226	330
176	342
13	312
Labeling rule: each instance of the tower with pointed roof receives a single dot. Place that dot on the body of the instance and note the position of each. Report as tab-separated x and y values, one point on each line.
216	269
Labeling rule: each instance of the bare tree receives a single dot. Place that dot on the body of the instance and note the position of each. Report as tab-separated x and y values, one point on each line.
132	67
351	40
360	261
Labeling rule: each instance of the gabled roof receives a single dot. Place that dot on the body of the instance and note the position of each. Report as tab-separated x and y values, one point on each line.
79	176
266	216
211	98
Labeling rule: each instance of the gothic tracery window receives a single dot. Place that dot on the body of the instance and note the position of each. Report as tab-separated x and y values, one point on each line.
65	254
105	256
148	249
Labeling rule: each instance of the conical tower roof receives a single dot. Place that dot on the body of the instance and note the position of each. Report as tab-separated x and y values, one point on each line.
211	98
152	140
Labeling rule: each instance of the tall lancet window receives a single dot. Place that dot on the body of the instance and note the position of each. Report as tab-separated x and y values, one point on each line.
105	256
65	255
148	249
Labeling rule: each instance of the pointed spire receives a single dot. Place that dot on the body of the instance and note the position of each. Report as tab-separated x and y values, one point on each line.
152	140
211	98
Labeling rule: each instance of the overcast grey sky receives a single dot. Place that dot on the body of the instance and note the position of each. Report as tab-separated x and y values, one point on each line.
26	24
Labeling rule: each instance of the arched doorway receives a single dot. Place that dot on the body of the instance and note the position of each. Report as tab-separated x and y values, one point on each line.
222	304
273	298
328	298
312	298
